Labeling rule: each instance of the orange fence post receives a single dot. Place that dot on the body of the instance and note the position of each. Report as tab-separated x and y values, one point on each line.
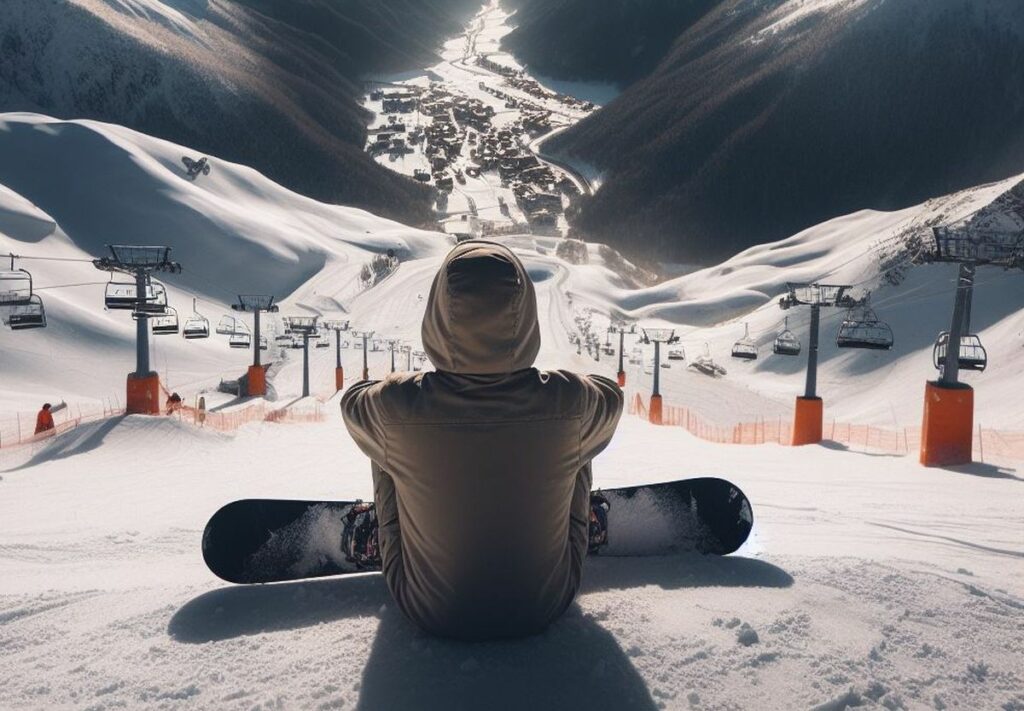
948	426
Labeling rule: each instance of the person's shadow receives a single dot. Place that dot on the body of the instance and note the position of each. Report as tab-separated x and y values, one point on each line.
574	664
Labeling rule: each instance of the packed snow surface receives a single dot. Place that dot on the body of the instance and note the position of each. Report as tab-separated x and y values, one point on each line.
868	582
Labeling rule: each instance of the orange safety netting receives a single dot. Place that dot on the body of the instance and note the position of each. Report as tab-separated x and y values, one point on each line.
993	444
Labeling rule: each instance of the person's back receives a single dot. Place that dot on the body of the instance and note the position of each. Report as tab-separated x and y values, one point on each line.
481	470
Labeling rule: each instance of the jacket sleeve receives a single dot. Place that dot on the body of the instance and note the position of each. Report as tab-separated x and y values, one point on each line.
602	409
362	411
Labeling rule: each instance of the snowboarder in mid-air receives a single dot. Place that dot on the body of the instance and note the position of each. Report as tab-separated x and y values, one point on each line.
481	470
195	168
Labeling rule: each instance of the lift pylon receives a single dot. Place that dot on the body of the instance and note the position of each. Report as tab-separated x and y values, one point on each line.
339	372
141	261
657	336
365	336
809	411
947	429
304	326
622	329
256	304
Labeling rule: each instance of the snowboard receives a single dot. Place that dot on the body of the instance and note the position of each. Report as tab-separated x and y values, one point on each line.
274	540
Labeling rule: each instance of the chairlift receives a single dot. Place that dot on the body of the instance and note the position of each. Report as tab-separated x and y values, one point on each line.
196	325
121	296
323	342
263	343
786	343
745	348
973	355
240	340
156	299
862	329
228	326
166	324
677	353
15	287
24	316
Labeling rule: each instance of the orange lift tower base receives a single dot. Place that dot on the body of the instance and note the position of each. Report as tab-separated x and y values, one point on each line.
947	429
143	394
810	409
657	336
143	389
255	304
620	328
339	371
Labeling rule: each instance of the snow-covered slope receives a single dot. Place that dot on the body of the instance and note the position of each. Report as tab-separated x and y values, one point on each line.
71	188
868	582
234	231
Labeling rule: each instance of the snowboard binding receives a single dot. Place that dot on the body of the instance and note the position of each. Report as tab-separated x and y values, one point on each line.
359	536
599	508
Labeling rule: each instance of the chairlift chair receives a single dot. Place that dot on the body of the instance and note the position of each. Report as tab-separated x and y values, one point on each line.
677	353
745	348
263	343
196	325
120	296
323	342
973	355
862	329
166	324
156	299
15	287
240	340
27	315
786	343
228	326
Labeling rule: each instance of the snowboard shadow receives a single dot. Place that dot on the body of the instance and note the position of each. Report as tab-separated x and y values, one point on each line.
574	664
681	571
238	611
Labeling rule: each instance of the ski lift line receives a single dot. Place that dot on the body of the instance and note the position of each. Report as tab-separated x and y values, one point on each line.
48	259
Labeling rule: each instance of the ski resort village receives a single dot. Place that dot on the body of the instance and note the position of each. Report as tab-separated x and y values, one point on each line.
804	461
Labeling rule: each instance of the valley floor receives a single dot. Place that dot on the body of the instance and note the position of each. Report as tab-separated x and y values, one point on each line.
869	582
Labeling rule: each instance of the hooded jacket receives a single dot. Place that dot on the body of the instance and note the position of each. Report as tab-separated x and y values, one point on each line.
482	469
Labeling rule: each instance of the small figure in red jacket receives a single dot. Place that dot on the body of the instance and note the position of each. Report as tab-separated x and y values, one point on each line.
44	420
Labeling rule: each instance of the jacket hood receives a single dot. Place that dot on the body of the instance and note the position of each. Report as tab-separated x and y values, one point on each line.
481	316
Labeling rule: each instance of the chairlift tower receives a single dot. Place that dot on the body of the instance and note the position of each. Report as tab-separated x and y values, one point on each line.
657	336
306	327
339	373
366	336
622	330
809	413
947	430
255	304
393	345
139	261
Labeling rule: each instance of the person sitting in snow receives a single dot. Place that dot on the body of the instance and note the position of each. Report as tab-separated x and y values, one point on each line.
44	420
486	440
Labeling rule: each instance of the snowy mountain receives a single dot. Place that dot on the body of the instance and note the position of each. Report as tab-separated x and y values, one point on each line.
764	118
235	231
869	582
272	84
